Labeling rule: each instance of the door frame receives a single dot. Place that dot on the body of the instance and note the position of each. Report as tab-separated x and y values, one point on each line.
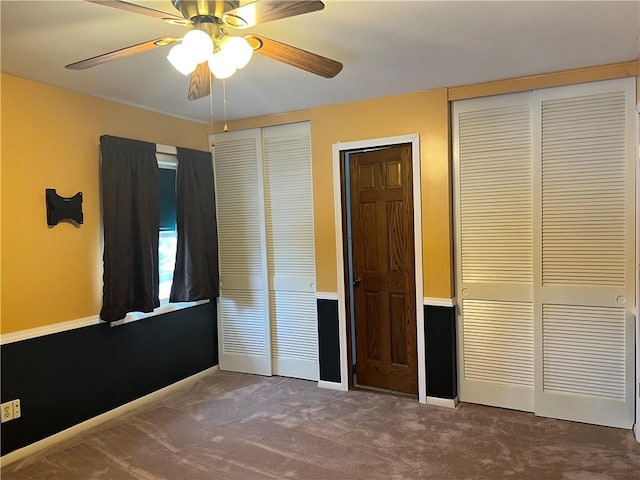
636	427
337	149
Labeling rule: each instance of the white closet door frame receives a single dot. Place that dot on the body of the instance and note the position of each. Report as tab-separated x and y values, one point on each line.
498	313
244	342
562	300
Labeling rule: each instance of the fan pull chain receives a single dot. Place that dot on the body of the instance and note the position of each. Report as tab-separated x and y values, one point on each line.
211	106
224	95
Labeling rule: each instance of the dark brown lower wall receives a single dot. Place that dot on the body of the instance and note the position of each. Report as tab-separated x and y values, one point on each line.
66	378
440	349
328	341
440	345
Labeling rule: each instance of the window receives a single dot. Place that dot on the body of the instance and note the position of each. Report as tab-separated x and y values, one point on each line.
135	254
168	234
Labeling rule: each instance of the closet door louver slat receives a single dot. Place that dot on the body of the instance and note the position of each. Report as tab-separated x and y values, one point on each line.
584	350
498	341
583	202
495	199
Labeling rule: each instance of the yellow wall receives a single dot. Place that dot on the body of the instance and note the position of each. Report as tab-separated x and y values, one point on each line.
425	113
50	139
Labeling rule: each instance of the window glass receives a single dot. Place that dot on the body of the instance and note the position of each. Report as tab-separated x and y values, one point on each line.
168	234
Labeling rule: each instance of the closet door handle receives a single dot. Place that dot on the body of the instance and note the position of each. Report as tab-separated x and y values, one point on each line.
356	282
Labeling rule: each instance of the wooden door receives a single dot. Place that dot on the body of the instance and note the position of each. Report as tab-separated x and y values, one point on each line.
383	268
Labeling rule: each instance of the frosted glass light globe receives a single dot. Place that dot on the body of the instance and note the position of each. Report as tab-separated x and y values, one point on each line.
221	65
199	45
237	49
181	60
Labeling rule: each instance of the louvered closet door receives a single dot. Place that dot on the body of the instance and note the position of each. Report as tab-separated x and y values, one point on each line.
243	320
494	250
585	252
290	250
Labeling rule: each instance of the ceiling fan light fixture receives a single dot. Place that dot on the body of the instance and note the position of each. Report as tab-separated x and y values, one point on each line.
181	59
221	65
237	49
199	45
234	20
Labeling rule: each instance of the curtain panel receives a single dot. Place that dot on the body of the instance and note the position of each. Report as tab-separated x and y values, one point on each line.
196	275
131	219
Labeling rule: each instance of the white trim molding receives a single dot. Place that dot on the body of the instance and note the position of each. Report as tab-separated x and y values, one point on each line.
327	295
166	149
443	402
414	140
89	321
637	275
439	302
166	308
48	329
104	417
331	385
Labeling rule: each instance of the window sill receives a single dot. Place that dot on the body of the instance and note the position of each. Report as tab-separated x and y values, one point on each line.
165	307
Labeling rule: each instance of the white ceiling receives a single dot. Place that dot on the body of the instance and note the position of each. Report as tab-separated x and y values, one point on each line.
387	48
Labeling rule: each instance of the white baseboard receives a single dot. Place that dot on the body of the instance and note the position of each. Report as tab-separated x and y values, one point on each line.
439	302
330	385
443	402
95	421
636	429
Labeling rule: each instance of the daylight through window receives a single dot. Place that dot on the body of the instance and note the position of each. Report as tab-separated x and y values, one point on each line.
168	233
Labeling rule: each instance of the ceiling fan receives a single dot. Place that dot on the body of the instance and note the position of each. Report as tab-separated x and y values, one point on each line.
212	17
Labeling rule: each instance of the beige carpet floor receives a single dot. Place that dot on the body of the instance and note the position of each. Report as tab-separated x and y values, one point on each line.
235	426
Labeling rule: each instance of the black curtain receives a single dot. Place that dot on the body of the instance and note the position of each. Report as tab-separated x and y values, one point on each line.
131	219
196	272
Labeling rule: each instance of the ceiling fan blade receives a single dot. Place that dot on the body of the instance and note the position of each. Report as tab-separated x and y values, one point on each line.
200	82
131	7
296	57
262	11
122	52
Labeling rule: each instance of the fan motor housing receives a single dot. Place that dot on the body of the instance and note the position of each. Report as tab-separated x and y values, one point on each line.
212	10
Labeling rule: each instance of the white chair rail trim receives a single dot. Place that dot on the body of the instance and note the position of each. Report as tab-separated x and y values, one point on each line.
439	302
93	320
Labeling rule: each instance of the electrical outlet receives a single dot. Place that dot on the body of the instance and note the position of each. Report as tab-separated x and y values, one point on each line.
6	411
16	409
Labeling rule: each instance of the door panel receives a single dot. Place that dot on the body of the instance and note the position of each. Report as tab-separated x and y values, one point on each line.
585	288
291	250
267	307
243	322
494	251
383	258
545	251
